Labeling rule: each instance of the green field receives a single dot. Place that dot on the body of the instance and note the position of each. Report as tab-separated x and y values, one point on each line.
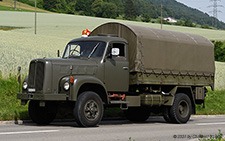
6	8
220	76
18	47
8	5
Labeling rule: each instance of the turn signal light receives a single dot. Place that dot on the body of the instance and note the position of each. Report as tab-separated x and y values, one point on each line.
71	79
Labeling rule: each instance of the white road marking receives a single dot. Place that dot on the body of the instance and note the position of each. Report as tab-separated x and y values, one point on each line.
28	132
215	123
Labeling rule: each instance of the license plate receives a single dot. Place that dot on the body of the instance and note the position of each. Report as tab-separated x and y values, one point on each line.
31	90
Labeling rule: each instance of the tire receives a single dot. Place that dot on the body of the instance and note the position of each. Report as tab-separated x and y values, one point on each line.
166	114
42	115
88	109
180	111
137	114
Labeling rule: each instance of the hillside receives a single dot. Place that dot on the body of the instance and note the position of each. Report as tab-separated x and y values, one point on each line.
181	11
8	5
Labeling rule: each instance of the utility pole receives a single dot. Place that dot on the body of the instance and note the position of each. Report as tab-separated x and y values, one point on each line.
215	10
35	18
161	15
15	5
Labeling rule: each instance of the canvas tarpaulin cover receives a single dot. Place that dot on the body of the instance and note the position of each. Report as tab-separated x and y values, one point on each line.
161	51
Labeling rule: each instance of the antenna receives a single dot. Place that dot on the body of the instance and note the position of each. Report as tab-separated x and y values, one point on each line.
215	10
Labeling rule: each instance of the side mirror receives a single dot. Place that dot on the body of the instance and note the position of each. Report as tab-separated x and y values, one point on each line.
109	55
58	53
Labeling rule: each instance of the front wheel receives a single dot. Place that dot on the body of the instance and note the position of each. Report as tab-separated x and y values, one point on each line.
180	111
42	115
88	109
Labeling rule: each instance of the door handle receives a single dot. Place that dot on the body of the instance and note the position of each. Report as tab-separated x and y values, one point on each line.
125	68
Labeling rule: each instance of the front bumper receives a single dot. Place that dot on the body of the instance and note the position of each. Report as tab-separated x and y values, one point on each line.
42	97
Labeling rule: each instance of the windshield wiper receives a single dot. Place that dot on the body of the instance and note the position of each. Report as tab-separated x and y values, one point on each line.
93	50
74	50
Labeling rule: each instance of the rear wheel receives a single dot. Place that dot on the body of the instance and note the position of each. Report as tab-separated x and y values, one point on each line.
137	114
42	115
166	114
88	109
180	111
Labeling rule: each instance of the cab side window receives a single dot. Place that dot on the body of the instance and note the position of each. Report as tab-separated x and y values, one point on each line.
119	49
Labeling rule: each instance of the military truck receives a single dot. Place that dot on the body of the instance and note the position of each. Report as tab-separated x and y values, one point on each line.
139	69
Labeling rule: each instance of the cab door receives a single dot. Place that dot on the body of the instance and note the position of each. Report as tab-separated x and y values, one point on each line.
117	67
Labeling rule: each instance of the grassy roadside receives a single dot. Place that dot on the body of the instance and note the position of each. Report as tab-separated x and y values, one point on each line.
214	103
10	108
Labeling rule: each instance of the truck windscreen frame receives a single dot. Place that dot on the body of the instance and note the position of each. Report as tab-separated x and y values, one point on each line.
84	49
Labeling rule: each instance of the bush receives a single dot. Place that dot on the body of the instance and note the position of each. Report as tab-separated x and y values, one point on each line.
206	26
146	18
188	23
214	103
219	51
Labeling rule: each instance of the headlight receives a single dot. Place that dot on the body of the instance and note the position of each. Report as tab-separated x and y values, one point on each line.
66	86
25	85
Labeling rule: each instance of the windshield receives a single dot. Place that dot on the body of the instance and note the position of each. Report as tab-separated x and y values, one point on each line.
84	49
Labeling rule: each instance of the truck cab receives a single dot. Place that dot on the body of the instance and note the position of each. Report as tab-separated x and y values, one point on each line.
97	64
109	52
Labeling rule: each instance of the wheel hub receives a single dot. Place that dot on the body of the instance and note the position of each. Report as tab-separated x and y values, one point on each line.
183	109
91	110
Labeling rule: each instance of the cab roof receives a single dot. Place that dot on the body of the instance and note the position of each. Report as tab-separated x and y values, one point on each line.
101	37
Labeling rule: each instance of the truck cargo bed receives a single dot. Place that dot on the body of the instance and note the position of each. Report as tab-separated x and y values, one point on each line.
171	79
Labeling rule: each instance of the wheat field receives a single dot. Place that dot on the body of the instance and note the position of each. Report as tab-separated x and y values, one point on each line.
18	47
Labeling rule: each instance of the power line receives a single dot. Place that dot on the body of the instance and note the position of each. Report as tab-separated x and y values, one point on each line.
215	10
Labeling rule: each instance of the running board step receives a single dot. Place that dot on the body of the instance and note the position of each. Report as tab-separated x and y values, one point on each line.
119	102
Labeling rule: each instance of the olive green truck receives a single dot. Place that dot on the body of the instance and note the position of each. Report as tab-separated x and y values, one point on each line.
139	69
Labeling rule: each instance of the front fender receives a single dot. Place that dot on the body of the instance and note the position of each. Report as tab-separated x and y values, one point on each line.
81	80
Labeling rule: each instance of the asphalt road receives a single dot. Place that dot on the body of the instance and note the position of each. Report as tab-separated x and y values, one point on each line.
155	129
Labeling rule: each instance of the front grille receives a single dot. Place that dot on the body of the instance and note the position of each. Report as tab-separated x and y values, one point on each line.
31	74
36	75
39	76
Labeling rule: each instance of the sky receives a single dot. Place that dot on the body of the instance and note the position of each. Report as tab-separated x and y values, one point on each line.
203	5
